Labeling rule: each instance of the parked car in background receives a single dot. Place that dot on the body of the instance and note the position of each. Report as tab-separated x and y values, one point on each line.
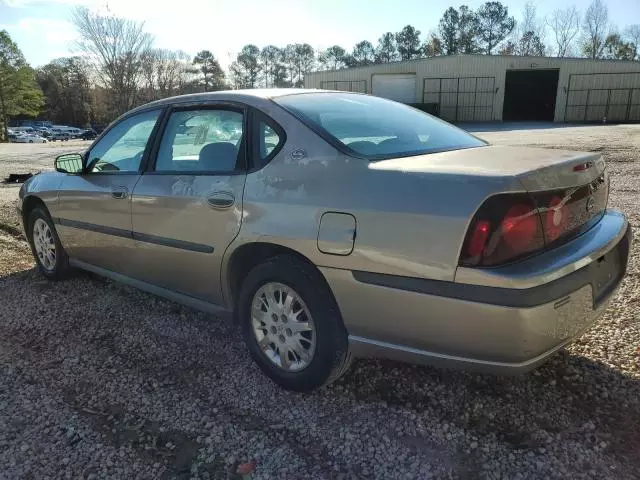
29	139
339	225
24	130
88	134
59	135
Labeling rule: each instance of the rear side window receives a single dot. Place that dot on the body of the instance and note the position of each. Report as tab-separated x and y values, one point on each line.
268	138
203	141
375	128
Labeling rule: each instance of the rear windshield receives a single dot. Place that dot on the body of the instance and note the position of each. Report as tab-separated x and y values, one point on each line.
375	128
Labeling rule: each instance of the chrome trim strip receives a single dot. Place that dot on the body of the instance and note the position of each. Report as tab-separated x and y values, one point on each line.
115	232
173	243
140	237
553	264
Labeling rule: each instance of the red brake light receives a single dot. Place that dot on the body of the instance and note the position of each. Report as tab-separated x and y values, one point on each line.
556	220
583	166
478	238
506	227
520	227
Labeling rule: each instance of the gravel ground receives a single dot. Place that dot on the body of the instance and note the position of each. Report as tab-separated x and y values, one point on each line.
98	380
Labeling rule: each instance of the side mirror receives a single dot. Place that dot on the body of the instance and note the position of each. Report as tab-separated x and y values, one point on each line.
69	163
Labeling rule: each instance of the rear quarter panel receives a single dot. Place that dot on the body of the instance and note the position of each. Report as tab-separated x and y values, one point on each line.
409	224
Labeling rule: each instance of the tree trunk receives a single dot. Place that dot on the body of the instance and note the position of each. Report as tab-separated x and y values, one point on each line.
5	128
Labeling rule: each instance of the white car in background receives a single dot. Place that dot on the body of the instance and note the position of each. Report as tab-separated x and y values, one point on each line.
29	139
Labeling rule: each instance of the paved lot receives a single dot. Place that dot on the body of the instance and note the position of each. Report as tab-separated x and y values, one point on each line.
98	380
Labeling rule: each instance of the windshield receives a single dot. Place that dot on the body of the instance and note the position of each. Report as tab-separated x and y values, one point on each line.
375	128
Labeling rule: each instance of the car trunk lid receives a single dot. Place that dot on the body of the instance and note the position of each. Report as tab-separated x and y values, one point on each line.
568	189
536	168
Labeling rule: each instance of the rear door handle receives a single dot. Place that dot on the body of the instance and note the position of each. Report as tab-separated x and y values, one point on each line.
120	192
221	200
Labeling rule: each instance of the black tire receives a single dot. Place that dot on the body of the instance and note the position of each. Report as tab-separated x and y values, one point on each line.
331	357
61	268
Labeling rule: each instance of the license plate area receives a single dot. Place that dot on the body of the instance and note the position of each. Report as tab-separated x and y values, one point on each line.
608	270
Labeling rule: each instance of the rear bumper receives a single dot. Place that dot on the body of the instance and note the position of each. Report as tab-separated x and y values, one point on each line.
487	328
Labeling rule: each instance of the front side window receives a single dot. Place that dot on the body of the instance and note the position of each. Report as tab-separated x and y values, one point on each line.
123	146
375	128
206	141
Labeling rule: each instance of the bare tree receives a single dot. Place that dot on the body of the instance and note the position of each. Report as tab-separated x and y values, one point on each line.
116	47
528	36
166	73
594	27
565	25
632	34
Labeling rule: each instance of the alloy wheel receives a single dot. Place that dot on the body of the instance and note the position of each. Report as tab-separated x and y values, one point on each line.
44	244
283	326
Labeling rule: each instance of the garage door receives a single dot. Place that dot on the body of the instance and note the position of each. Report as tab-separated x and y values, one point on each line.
400	87
461	99
596	96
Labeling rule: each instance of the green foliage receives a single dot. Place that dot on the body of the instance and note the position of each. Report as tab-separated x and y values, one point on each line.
245	70
408	43
333	58
494	25
213	77
459	31
363	54
299	59
67	91
270	63
468	27
387	50
616	48
448	28
19	92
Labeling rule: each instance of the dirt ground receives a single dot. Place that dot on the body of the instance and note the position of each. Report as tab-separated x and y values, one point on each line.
98	380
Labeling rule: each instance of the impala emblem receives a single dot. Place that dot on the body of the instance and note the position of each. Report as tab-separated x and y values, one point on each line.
591	204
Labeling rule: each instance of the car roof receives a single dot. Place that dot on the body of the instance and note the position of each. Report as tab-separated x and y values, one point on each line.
246	95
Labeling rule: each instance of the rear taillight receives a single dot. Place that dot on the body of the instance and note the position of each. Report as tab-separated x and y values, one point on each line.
556	218
506	227
511	226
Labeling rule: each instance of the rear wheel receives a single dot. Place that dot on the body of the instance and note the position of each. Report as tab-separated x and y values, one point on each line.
51	259
291	324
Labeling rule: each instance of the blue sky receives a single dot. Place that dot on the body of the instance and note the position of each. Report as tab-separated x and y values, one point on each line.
43	32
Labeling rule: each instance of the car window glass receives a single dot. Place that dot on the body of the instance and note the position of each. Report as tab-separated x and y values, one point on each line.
266	138
122	147
269	140
207	141
376	128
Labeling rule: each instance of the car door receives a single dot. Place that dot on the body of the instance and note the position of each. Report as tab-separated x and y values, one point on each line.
94	207
187	208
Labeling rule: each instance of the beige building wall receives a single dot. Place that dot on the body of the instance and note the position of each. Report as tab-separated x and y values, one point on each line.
489	72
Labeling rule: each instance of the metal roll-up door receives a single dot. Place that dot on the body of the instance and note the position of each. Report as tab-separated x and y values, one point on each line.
400	87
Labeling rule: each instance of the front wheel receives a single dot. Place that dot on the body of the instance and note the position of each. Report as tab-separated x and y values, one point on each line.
291	324
51	259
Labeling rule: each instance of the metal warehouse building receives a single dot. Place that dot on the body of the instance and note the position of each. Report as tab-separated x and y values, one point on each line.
483	88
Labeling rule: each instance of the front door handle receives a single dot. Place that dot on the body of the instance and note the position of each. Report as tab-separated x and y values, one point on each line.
120	192
221	199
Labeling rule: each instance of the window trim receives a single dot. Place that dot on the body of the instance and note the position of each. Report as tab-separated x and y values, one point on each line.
147	148
342	148
241	163
257	116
